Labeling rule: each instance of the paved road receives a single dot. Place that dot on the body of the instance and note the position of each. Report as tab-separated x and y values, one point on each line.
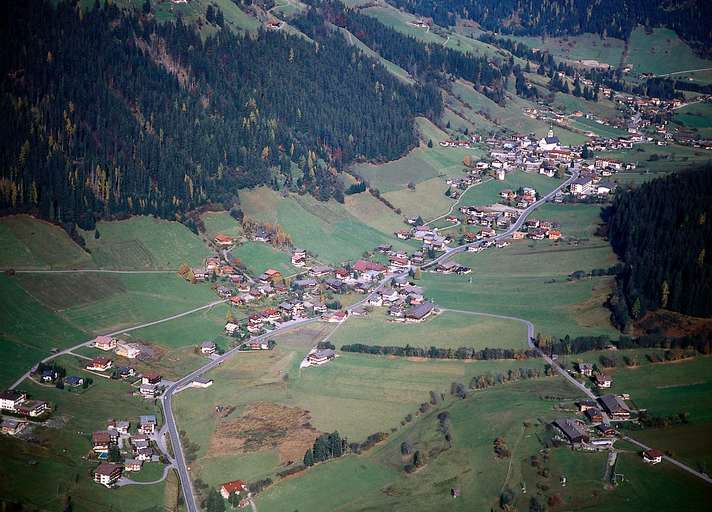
167	397
123	481
677	463
68	351
577	384
514	227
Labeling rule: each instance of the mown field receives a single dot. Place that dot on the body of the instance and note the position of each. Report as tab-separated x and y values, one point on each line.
488	193
447	330
29	243
258	257
144	243
324	228
354	394
528	279
579	48
697	117
661	51
221	222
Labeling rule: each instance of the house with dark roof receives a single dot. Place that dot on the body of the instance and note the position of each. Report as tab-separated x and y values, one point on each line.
615	407
572	429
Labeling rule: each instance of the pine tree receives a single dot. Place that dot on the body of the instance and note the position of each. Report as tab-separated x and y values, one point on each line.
309	458
215	502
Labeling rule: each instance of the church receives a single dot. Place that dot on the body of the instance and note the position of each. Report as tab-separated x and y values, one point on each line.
550	142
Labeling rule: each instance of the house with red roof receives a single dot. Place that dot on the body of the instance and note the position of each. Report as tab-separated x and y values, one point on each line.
235	487
362	266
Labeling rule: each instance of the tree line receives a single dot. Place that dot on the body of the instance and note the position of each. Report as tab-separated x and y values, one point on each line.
661	232
609	18
156	120
440	353
567	345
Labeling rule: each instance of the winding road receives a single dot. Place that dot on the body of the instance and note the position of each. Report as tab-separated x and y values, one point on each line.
449	253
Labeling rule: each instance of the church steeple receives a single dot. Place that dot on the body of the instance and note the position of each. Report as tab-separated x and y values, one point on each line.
551	132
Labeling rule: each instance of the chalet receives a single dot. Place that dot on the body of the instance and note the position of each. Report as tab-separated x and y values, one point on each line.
499	174
133	465
261	236
553	234
448	267
200	274
603	189
120	427
335	317
375	300
148	390
128	350
336	285
585	405
419	312
652	456
231	328
107	474
201	382
235	487
147	424
320	270
573	431
100	364
32	408
144	454
582	186
105	343
362	266
223	240
585	369
73	381
207	347
398	263
48	375
594	415
101	441
125	371
341	273
299	257
305	283
258	345
518	235
320	357
389	294
605	429
615	407
151	378
212	263
603	380
273	275
140	441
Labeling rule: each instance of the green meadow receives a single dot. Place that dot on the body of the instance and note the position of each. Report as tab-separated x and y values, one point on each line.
258	257
447	330
660	52
488	193
144	243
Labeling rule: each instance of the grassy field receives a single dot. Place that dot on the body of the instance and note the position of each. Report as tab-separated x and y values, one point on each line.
28	331
448	330
579	48
654	161
104	303
355	394
258	257
29	243
599	129
697	117
324	228
144	243
373	212
427	200
661	51
671	388
221	222
528	279
488	193
469	464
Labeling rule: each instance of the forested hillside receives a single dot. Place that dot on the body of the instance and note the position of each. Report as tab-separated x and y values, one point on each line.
663	232
692	20
108	113
428	62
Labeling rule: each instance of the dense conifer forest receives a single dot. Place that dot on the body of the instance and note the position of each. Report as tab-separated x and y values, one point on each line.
107	113
663	232
427	62
614	18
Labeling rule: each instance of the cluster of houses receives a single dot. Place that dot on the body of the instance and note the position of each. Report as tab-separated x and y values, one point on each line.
17	402
120	348
134	449
430	238
405	301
